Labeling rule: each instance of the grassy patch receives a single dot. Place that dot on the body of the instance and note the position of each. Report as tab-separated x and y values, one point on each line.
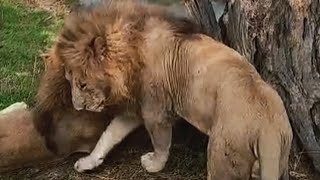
24	33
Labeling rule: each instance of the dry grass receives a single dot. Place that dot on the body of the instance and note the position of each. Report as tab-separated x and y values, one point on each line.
301	167
187	161
56	7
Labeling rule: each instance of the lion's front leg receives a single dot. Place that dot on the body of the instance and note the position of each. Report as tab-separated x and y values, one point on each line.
160	131
118	129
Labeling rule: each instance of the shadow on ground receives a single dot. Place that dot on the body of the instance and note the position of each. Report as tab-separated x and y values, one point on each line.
187	161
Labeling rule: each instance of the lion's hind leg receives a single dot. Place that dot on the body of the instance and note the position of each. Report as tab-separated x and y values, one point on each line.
224	163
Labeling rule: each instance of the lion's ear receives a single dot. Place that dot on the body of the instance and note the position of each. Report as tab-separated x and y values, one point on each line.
99	48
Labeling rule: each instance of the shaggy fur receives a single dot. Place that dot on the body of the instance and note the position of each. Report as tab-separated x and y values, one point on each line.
85	37
160	67
54	105
64	129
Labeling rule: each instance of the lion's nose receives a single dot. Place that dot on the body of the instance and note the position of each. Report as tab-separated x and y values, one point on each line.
77	106
78	103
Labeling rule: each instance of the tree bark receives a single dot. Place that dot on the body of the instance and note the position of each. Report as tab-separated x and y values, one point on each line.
282	39
204	15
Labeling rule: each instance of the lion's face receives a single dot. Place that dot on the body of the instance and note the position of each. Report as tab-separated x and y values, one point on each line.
88	93
98	71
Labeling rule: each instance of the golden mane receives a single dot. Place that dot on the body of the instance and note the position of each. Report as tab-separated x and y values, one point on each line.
109	35
54	103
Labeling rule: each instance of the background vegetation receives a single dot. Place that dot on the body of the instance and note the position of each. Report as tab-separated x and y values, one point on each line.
24	33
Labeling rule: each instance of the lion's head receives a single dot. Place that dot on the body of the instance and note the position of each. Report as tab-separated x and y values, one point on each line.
101	50
87	93
63	128
100	59
89	81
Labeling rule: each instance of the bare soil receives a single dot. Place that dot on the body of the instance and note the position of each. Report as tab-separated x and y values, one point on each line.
187	161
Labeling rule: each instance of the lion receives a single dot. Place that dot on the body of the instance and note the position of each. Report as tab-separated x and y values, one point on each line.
160	67
15	134
22	145
63	128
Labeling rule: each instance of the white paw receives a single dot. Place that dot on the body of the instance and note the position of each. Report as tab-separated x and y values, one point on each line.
87	163
13	107
153	163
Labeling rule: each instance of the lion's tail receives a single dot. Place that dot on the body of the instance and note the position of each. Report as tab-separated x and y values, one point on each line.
269	153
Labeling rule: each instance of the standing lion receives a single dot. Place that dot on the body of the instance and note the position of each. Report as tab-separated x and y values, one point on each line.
158	66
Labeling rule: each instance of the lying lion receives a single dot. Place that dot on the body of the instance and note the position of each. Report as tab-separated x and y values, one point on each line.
158	67
20	143
16	133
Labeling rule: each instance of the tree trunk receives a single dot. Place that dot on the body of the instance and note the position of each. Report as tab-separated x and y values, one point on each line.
203	13
282	39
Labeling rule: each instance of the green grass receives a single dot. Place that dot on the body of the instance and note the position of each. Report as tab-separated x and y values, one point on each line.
24	33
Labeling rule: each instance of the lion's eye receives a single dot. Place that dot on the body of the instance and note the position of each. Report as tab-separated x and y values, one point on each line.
82	85
68	74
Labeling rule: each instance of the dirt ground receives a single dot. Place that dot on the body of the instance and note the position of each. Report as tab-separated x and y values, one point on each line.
187	160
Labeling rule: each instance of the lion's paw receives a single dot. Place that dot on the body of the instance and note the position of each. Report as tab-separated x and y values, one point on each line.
87	163
14	107
153	163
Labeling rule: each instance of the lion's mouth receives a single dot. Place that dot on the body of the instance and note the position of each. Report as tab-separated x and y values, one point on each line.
97	107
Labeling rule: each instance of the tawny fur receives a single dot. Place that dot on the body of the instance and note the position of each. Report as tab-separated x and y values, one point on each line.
21	144
160	67
54	105
64	129
16	133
